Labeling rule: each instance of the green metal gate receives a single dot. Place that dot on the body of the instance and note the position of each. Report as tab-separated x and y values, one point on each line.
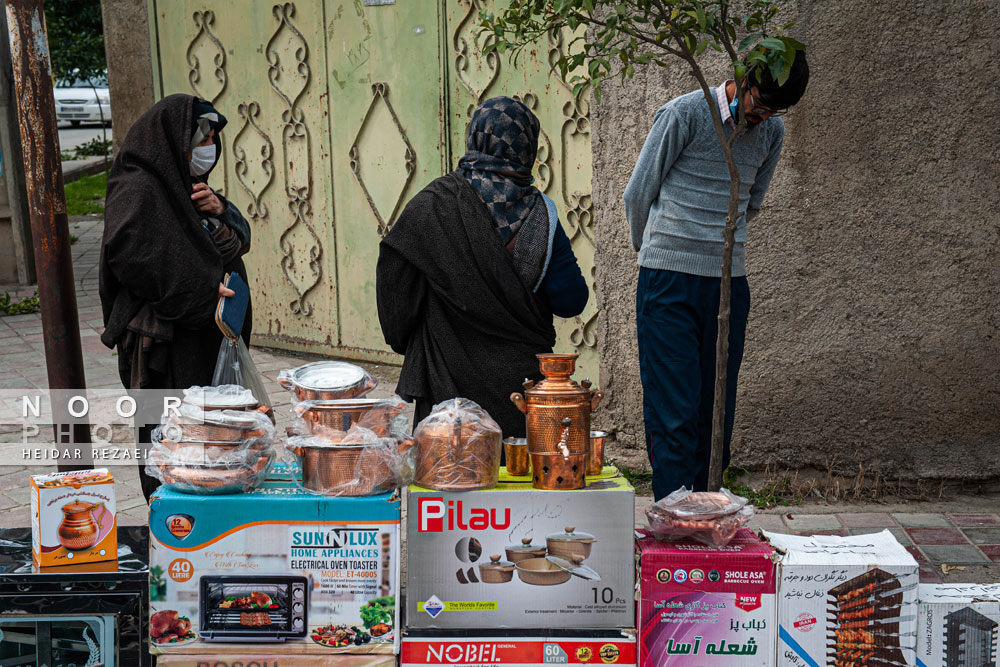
340	111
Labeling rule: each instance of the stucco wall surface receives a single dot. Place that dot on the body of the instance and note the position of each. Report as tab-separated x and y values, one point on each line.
130	73
873	268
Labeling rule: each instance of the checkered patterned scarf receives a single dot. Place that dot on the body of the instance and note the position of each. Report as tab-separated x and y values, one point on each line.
501	147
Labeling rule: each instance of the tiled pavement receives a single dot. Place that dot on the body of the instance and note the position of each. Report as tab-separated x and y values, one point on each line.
957	544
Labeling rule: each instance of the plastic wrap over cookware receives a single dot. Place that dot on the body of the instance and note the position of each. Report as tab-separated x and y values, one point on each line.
709	517
333	418
458	447
327	380
353	463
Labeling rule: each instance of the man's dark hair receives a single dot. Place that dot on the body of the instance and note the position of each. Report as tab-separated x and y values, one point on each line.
782	97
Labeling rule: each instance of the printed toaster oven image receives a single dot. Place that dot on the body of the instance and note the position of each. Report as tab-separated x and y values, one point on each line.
970	639
864	615
252	607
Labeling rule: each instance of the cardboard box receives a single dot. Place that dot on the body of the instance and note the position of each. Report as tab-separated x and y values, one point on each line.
229	572
450	535
601	648
700	605
73	518
834	591
262	659
958	625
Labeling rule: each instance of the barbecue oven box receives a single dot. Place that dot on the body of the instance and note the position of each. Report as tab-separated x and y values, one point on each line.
274	567
514	648
958	625
846	600
451	537
701	606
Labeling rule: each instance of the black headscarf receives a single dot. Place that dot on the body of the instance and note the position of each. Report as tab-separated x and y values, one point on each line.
205	117
156	250
501	148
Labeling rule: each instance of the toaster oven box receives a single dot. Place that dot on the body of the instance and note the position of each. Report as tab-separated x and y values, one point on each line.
73	518
451	535
304	573
844	597
958	625
518	648
701	605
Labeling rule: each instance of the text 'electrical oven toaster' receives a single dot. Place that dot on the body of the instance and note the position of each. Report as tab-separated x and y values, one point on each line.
264	608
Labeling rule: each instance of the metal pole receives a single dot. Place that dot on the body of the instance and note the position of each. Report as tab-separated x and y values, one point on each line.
13	166
29	51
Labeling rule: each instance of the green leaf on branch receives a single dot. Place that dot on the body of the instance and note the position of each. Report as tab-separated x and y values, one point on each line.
749	40
773	43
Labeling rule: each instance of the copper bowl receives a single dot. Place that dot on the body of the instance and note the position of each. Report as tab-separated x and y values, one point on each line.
523	551
214	479
540	572
202	452
340	415
328	381
555	472
213	427
339	469
496	571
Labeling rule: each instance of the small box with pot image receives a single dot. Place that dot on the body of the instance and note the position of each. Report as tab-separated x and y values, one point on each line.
518	648
840	598
701	605
958	625
517	557
73	518
303	573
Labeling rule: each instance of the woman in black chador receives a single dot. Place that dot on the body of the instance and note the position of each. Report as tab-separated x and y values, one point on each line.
473	271
168	242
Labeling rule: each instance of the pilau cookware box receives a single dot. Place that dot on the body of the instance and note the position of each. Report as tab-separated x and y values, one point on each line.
958	625
700	605
518	648
304	573
846	600
580	573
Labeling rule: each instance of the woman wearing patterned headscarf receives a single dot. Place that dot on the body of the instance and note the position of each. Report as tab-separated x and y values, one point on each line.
471	274
168	242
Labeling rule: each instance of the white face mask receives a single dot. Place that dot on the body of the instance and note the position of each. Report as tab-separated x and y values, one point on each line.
202	159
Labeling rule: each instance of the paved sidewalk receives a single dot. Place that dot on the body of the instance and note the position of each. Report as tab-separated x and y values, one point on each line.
954	540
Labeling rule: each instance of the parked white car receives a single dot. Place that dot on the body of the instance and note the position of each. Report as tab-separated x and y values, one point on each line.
77	101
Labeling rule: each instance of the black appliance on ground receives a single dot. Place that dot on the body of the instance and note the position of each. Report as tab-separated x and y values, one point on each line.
91	614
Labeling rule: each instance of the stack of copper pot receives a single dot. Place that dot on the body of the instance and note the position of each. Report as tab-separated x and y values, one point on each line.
216	442
342	439
557	411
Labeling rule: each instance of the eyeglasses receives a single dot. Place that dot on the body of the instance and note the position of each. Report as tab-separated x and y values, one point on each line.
761	111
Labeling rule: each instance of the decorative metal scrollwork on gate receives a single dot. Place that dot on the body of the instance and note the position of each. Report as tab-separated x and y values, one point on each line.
258	144
289	78
397	183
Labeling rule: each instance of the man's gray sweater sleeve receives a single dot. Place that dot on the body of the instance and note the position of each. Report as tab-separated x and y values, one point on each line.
764	174
665	142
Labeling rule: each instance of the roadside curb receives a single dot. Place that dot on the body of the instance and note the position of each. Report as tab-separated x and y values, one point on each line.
74	170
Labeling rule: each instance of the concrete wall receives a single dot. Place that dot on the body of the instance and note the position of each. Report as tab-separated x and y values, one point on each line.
873	334
130	72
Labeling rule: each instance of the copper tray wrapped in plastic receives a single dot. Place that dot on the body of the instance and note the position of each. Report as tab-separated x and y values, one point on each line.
711	518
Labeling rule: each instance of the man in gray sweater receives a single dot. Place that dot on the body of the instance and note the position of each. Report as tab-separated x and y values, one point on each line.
676	204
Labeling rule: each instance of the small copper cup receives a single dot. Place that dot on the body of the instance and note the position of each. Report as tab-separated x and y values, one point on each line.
518	463
595	454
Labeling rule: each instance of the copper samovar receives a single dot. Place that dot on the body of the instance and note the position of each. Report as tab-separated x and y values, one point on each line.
553	400
78	529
